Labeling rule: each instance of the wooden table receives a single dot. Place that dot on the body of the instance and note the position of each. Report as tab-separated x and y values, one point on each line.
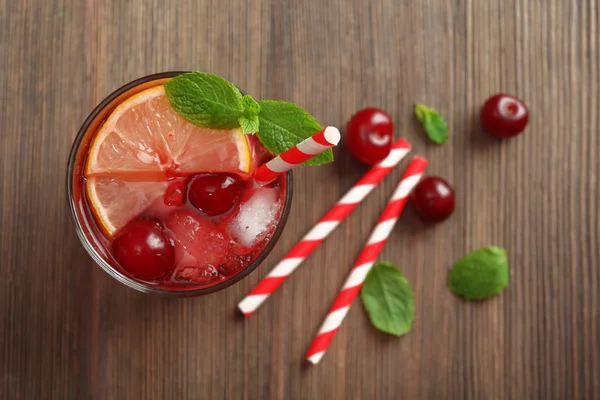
69	331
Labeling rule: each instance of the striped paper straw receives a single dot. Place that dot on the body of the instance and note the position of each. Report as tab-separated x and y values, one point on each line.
305	150
366	259
323	228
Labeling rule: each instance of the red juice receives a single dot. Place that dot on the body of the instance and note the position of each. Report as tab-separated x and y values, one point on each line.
195	185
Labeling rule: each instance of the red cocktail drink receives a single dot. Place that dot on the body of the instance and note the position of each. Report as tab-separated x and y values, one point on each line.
167	206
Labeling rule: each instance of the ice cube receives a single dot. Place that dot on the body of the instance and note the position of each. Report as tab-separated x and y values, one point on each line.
198	242
257	216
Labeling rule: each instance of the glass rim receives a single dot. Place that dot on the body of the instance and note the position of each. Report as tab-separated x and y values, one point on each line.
98	259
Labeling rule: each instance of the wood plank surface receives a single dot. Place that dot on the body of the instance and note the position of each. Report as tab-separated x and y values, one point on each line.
69	331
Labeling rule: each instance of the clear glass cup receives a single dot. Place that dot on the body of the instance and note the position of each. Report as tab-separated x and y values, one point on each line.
86	227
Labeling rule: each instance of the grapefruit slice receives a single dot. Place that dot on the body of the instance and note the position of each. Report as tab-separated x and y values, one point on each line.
115	201
144	142
144	134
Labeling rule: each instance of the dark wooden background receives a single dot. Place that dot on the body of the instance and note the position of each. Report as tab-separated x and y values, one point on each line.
69	331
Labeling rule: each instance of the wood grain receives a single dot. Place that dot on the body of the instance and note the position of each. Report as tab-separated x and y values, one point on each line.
69	331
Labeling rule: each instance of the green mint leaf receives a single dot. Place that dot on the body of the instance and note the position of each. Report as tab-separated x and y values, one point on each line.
434	124
388	299
480	274
205	100
284	125
249	120
250	106
249	125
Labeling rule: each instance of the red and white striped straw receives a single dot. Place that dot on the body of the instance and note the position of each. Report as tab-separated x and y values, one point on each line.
366	259
303	151
323	228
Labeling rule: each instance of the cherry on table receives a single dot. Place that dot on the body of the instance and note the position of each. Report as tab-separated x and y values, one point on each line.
143	250
369	135
215	194
504	115
433	199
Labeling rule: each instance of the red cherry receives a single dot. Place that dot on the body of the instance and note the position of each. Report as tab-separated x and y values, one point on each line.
433	199
215	194
369	135
504	116
143	250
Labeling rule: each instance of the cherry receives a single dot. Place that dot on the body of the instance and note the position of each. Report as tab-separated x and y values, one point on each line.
369	135
215	194
433	199
504	115
143	250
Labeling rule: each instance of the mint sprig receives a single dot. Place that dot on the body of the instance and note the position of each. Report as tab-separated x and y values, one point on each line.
283	125
433	123
249	120
205	100
210	101
249	125
481	274
388	299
